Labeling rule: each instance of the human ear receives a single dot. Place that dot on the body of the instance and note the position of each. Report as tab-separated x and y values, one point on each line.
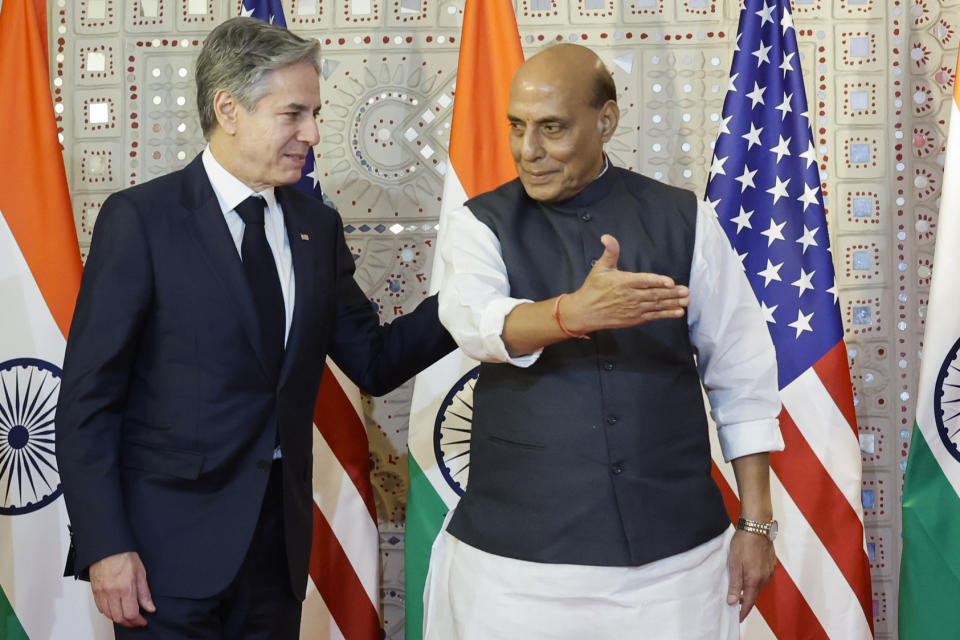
226	109
607	120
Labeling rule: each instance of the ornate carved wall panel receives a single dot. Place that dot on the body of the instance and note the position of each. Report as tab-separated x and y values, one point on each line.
878	78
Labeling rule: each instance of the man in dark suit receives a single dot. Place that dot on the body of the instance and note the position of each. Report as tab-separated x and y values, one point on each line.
210	301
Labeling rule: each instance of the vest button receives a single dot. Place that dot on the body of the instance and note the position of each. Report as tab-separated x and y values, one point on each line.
608	366
586	217
616	469
611	419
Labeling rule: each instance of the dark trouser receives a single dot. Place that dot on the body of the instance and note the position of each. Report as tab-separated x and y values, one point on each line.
258	604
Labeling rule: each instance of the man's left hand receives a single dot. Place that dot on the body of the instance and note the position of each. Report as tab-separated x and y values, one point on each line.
752	562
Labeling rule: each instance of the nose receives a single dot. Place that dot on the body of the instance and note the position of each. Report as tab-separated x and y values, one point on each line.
310	131
531	147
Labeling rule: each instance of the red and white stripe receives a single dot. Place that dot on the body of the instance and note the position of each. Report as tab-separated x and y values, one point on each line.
823	572
343	595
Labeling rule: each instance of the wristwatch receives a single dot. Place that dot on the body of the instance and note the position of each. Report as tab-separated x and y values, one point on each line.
766	529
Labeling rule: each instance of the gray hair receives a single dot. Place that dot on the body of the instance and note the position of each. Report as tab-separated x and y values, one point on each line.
604	88
239	56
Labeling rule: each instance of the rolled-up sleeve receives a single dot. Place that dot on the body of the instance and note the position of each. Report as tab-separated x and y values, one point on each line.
474	289
735	354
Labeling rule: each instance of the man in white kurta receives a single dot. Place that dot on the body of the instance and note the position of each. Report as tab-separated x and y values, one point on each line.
558	127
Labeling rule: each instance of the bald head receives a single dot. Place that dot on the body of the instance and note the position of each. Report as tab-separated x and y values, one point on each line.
562	110
573	64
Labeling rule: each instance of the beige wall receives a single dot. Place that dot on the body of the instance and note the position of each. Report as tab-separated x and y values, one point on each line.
124	69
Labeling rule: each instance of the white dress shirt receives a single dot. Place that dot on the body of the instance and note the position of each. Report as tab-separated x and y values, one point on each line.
735	354
230	192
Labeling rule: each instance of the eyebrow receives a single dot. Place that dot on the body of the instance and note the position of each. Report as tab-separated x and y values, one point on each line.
547	118
296	106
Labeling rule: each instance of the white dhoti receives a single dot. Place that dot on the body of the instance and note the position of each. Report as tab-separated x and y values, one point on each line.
474	595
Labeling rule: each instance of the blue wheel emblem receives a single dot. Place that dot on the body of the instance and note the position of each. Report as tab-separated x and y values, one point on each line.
29	479
451	432
946	401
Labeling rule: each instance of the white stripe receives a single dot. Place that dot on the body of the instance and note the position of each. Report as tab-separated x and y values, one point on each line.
942	325
33	546
316	623
346	512
806	560
827	433
433	384
27	328
755	627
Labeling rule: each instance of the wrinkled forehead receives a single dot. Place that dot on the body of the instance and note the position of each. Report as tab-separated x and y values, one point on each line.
536	93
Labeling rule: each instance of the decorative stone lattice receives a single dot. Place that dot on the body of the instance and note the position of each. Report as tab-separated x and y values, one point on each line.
878	77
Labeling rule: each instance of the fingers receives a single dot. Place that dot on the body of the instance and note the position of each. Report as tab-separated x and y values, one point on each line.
749	599
130	610
143	593
119	584
752	563
736	584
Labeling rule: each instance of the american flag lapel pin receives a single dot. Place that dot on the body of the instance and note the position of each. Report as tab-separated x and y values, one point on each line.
304	236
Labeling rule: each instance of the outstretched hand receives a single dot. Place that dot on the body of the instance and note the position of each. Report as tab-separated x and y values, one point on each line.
611	299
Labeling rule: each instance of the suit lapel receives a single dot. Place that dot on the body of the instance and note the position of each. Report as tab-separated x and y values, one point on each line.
304	277
210	230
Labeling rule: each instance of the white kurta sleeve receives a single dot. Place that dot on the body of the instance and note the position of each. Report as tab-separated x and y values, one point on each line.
735	354
474	296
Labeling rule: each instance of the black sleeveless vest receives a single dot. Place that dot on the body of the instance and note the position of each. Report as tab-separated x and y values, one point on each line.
599	452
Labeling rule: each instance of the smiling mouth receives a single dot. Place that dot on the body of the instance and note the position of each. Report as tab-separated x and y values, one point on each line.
539	176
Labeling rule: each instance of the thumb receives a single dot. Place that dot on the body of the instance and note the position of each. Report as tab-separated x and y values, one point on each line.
143	593
736	586
611	253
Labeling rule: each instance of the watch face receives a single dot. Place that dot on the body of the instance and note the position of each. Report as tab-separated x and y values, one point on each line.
774	529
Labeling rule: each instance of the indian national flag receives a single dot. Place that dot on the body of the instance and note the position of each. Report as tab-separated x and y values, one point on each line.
442	408
930	564
39	278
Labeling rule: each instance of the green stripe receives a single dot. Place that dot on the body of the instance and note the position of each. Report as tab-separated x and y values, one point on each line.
930	564
10	627
425	513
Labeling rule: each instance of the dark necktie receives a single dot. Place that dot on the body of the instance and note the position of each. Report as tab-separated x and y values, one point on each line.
261	270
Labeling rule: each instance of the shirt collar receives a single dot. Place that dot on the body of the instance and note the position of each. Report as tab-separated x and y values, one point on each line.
596	190
606	164
230	191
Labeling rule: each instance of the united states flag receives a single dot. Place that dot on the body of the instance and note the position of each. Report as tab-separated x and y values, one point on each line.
343	594
765	188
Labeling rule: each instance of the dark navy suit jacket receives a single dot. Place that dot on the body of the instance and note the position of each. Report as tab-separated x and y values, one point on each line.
167	419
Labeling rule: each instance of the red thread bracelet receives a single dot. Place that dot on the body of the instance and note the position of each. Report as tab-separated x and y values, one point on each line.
563	327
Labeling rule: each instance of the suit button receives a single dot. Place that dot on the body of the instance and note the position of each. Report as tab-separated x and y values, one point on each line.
617	469
608	366
611	419
586	217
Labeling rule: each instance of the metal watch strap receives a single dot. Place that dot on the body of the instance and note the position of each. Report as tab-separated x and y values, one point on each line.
754	526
